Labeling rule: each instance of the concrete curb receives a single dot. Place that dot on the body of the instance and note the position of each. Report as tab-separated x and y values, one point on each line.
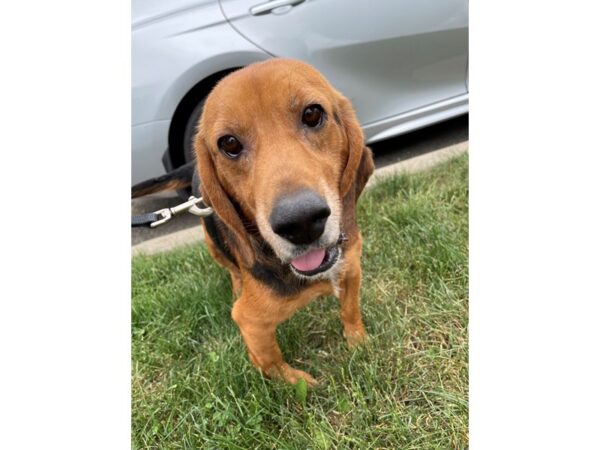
195	235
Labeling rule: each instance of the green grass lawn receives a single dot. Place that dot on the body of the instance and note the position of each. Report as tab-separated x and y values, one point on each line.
194	387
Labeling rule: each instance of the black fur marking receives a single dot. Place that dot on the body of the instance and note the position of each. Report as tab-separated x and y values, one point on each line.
279	278
215	229
337	118
213	226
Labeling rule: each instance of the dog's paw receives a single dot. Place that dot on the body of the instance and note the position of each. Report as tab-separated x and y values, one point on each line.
291	375
355	335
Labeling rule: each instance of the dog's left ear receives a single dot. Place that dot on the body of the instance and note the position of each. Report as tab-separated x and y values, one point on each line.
359	165
215	196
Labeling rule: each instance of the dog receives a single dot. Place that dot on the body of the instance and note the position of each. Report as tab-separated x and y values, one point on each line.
281	160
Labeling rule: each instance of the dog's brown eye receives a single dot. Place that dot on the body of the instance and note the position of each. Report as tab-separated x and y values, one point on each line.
313	116
230	146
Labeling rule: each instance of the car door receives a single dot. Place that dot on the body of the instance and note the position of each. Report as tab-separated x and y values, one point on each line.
388	56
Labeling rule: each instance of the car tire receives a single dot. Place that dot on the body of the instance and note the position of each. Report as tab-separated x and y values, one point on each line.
190	132
189	135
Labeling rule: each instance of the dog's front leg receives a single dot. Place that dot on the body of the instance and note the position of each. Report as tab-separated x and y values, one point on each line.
354	330
258	333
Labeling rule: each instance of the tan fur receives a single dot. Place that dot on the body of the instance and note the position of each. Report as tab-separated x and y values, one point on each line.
262	106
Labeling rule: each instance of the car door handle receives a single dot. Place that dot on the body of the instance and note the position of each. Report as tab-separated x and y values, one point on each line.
264	8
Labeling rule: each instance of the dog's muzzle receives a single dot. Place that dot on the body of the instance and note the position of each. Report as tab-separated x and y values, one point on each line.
301	219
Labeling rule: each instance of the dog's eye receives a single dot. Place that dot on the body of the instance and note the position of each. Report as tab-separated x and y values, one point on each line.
230	146
313	116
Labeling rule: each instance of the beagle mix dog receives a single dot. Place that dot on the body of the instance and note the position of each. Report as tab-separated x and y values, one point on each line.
282	162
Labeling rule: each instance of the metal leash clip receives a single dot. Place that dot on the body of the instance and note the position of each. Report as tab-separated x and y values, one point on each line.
189	206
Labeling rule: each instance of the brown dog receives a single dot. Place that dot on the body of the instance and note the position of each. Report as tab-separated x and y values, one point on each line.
282	162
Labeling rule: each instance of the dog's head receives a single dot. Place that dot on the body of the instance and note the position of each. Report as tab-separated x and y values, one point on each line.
279	149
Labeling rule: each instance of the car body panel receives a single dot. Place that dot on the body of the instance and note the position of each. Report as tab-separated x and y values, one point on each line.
417	118
145	137
147	12
412	55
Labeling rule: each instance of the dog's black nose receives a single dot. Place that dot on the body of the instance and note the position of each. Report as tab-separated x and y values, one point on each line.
300	217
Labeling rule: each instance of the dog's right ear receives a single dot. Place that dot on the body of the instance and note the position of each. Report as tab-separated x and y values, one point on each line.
355	145
215	196
364	171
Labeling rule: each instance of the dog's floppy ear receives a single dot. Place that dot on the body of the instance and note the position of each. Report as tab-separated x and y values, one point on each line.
359	165
364	171
215	196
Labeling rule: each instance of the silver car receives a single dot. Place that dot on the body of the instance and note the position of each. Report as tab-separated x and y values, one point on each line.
402	63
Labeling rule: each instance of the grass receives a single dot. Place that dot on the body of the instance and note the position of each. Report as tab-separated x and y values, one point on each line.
192	383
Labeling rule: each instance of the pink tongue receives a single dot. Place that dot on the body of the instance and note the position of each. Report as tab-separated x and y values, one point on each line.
310	260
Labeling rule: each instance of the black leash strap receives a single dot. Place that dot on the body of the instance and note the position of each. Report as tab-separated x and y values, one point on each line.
161	216
194	205
144	220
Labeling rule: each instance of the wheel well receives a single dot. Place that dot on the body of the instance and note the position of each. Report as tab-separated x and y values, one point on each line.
184	110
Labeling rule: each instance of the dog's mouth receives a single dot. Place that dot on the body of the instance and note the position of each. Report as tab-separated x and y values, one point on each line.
317	260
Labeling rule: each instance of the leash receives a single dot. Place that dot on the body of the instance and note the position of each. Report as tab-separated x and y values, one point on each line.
156	218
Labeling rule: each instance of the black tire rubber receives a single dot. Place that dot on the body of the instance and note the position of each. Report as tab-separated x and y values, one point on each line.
190	132
188	141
